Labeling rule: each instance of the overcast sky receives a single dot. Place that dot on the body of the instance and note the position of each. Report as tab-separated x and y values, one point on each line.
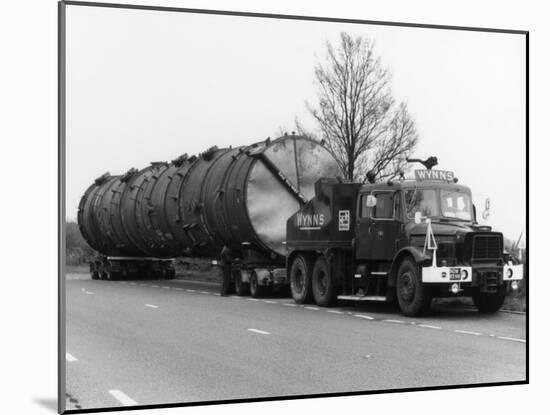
148	86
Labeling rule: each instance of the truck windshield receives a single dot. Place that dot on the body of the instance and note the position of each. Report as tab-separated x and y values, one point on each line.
456	204
421	200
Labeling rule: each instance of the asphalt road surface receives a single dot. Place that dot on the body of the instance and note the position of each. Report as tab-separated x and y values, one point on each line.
153	342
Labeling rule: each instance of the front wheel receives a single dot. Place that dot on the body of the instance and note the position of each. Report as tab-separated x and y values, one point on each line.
300	279
489	302
322	283
413	297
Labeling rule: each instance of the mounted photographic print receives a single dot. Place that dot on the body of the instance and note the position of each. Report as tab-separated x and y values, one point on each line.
258	207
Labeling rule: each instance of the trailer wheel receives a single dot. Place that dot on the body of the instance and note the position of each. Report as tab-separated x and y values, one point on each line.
300	279
256	290
413	297
241	288
489	302
324	291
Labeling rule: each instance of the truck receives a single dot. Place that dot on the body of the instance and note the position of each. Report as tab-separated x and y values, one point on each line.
400	240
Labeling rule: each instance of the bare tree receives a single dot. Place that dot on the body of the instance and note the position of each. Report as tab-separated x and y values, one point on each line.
357	115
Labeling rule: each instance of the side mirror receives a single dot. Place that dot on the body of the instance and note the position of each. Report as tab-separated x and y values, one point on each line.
417	217
371	201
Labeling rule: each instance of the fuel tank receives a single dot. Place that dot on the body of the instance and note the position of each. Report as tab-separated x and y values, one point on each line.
194	206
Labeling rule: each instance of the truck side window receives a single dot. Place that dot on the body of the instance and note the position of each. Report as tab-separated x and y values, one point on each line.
384	206
365	210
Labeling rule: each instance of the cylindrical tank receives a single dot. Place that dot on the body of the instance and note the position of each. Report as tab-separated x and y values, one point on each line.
194	206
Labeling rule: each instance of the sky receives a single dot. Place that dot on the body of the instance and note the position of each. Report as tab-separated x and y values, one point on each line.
148	86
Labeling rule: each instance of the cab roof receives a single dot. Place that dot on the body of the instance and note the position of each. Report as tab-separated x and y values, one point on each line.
414	184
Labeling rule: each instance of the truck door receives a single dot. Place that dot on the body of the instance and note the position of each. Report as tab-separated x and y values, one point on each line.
377	231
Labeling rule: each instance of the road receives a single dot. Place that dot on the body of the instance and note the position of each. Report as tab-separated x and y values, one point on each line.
152	342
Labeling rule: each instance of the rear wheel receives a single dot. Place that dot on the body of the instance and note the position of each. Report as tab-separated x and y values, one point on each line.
300	279
257	290
322	283
489	302
413	297
241	288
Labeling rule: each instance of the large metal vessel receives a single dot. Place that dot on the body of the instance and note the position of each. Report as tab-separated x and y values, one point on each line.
239	198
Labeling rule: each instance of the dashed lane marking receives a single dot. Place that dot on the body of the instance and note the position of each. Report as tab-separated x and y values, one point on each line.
312	308
335	312
165	287
364	316
70	358
206	292
178	289
151	306
259	331
191	291
394	321
427	326
218	294
88	292
122	397
252	299
473	333
289	304
269	302
155	286
513	339
143	285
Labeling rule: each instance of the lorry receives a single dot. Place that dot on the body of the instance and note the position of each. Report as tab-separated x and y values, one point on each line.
400	240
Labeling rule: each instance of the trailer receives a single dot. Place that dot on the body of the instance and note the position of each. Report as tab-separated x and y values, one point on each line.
226	204
404	241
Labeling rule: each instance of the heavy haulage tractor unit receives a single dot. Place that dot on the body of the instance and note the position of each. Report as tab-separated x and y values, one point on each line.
230	204
403	240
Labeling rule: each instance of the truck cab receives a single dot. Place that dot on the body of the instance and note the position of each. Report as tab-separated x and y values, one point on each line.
400	240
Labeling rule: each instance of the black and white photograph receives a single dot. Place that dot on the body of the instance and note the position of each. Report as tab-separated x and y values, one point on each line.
270	207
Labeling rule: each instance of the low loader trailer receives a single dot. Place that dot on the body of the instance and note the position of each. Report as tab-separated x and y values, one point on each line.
401	240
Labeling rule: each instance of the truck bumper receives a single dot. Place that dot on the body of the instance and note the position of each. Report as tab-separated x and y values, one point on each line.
446	275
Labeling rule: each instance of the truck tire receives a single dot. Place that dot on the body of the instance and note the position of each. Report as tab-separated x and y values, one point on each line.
413	297
489	302
300	279
322	283
257	290
241	288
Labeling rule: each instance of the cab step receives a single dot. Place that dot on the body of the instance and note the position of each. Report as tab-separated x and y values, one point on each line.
362	297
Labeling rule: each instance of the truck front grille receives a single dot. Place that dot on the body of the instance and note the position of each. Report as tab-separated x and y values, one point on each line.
487	247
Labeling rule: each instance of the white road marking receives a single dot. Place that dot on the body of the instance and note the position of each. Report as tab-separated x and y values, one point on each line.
155	286
132	283
364	316
312	308
512	339
218	294
178	289
289	304
122	397
427	326
394	321
165	287
143	285
191	291
88	292
252	299
473	333
259	331
70	357
151	306
335	312
269	302
206	292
